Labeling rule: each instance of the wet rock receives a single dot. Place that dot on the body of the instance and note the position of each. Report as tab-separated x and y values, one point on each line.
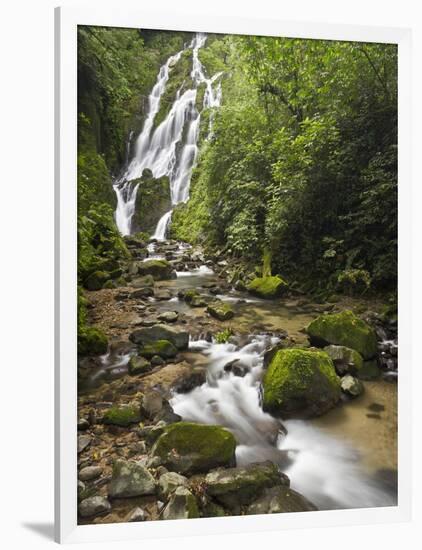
280	499
84	441
96	280
137	514
160	269
162	348
168	316
267	287
343	329
94	506
138	365
148	335
169	482
142	282
162	294
235	366
234	487
152	404
130	479
185	447
182	505
90	472
144	292
83	424
156	361
370	370
351	386
167	415
220	310
300	384
190	380
346	360
122	415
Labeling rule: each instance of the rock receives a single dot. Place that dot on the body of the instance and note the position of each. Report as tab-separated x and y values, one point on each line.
159	269
96	280
152	404
186	447
212	510
370	370
267	287
142	282
343	329
220	310
83	424
84	441
92	341
137	514
122	415
130	479
168	316
81	488
182	505
346	360
94	506
190	380
235	487
162	348
147	335
351	385
162	294
280	499
143	292
138	365
90	472
235	366
167	415
169	482
300	384
156	361
192	297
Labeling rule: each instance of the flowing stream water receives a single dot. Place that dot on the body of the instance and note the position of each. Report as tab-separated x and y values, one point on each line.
171	148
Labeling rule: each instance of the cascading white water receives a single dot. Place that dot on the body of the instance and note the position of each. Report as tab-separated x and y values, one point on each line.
321	467
171	149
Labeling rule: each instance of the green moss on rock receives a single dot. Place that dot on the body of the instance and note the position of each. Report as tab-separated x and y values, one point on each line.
138	365
159	269
96	280
344	329
300	383
220	310
267	287
162	348
123	415
91	341
186	447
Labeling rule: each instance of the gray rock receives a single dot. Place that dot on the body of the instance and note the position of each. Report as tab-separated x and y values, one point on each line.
148	335
83	424
162	294
351	386
90	472
182	505
130	479
84	441
138	365
94	506
233	487
346	360
280	499
152	404
168	316
169	482
137	514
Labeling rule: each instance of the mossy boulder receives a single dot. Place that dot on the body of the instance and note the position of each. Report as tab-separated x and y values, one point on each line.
138	365
152	201
149	335
91	341
162	348
280	499
220	310
182	505
161	270
343	329
96	280
300	383
267	287
123	415
346	360
234	487
186	447
130	479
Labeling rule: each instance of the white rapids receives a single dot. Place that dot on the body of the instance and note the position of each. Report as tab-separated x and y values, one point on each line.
171	148
324	469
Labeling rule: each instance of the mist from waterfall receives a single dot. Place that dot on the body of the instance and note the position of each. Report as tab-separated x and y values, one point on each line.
171	148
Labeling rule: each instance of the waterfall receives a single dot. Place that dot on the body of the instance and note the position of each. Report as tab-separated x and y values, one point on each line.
171	148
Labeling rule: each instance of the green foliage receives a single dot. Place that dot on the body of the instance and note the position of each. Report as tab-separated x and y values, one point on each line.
91	340
223	336
354	281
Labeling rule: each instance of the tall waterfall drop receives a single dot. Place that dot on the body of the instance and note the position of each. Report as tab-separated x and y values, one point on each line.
171	148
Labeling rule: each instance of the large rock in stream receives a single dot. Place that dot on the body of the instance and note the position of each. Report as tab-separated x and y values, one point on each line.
191	448
300	384
149	335
235	487
130	479
161	270
280	499
343	329
267	287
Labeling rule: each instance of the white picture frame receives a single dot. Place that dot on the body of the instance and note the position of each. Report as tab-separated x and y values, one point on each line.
66	22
